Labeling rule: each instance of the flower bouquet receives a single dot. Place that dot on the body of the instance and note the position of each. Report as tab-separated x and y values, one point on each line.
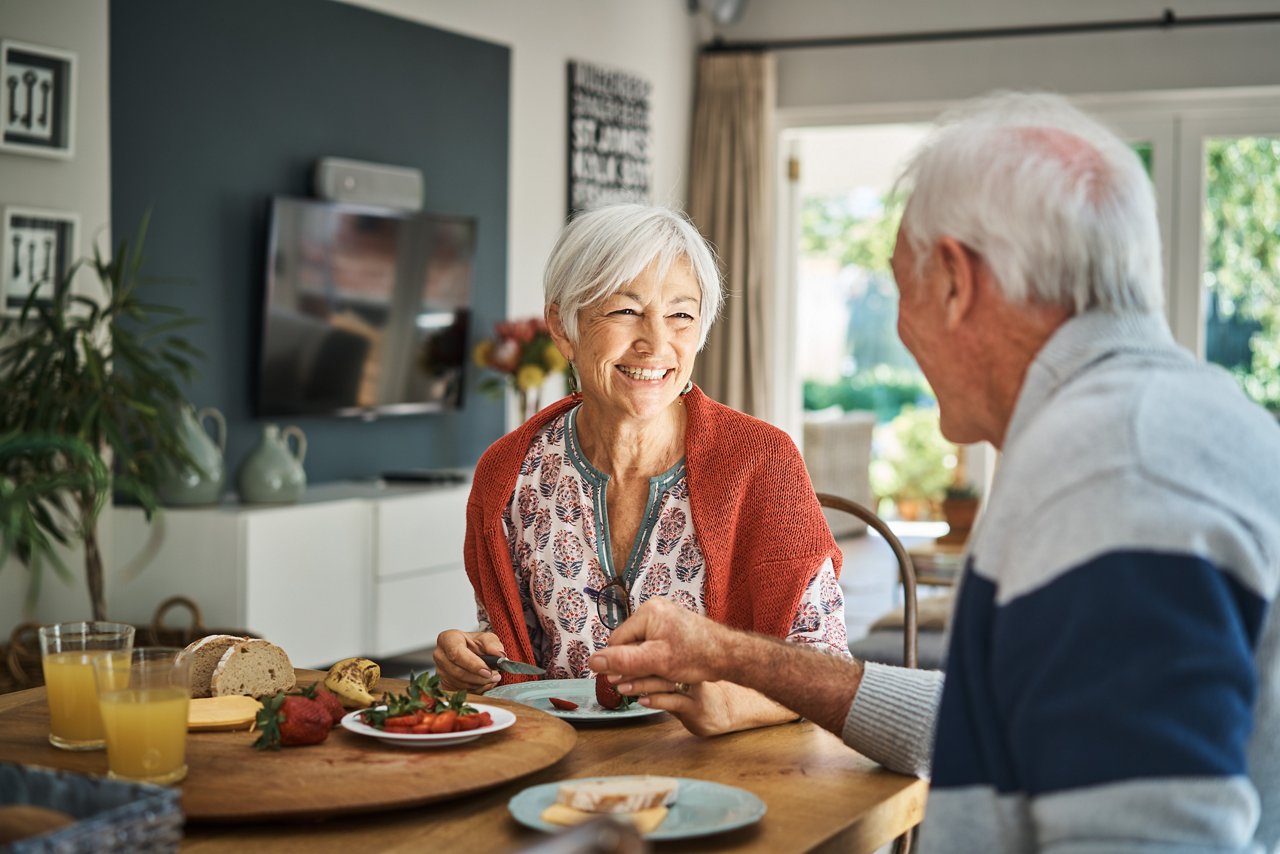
522	352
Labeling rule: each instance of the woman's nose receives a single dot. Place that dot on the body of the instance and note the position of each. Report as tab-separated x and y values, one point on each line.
652	335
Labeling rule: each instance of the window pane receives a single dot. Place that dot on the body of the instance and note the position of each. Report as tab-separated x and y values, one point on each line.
850	357
1241	275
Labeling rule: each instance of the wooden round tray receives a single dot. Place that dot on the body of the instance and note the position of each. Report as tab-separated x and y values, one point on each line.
229	781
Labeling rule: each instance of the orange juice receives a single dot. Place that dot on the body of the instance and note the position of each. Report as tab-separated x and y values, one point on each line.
146	731
74	720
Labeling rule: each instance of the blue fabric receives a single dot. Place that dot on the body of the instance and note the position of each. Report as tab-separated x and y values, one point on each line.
1028	707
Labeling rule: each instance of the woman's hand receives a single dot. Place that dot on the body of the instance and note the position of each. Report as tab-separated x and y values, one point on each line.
458	664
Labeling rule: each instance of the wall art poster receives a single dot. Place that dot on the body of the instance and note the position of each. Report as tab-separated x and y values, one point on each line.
37	99
609	139
38	250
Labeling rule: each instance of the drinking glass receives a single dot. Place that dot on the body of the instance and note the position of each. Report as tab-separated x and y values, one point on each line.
144	695
67	651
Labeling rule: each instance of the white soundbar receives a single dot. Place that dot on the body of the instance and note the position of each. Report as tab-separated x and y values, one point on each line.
377	184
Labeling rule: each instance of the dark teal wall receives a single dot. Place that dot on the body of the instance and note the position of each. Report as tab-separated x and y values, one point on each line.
217	105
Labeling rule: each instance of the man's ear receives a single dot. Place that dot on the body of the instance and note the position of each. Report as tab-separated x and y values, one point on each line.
959	267
558	335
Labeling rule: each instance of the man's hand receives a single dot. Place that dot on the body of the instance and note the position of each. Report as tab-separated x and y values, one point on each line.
458	664
662	644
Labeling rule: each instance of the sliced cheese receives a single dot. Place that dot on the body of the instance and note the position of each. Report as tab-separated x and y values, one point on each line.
645	821
222	713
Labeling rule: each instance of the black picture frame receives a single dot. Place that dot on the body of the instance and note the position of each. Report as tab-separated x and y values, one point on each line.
609	138
37	100
38	249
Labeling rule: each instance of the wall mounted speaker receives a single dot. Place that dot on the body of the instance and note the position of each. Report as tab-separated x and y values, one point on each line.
376	184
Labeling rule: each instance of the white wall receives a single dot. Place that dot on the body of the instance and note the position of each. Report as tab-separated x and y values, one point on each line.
1179	59
655	39
80	185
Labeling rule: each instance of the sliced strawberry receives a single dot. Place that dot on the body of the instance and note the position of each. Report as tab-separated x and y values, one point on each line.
566	705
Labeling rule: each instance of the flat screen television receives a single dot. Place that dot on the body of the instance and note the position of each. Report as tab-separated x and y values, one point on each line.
365	311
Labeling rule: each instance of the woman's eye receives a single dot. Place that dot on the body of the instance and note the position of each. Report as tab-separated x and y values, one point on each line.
680	315
624	311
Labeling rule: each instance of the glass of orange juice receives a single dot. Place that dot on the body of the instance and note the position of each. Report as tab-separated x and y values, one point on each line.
144	695
67	651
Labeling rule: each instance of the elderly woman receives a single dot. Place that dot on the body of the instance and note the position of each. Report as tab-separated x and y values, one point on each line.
640	486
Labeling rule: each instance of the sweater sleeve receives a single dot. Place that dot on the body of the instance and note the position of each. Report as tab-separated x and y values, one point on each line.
893	717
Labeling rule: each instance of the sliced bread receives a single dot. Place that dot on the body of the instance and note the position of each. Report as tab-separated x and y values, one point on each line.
618	794
203	656
645	821
254	668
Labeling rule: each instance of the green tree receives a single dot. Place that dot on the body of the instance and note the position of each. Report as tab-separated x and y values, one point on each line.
1242	261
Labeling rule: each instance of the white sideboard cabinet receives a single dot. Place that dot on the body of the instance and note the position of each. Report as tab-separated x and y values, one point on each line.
353	569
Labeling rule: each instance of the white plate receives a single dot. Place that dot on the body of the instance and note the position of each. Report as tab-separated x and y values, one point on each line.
502	719
581	691
701	808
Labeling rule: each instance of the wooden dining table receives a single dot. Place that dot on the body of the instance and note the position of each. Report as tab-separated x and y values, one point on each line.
819	794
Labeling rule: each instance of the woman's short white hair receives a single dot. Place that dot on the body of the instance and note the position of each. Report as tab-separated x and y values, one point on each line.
1059	206
605	248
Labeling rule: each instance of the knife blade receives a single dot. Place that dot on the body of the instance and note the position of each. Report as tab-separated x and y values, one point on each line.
506	665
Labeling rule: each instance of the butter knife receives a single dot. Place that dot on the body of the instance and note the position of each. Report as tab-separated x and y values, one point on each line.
506	665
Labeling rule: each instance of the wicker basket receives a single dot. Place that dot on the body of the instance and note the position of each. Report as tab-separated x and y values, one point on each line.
160	633
111	815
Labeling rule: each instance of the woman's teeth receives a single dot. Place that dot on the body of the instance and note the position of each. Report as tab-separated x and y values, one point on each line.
644	373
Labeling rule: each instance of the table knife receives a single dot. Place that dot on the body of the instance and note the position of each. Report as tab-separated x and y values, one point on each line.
506	665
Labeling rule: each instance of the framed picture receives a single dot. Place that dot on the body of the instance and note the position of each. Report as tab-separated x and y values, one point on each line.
38	250
37	99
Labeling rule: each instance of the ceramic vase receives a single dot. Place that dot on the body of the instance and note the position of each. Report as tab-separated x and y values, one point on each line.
201	483
273	473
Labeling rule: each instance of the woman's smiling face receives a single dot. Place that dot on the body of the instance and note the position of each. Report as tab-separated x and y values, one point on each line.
636	349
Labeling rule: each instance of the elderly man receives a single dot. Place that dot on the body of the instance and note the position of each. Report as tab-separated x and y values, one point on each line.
1111	681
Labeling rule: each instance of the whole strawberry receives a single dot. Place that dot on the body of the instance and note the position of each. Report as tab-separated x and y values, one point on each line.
608	696
326	698
288	720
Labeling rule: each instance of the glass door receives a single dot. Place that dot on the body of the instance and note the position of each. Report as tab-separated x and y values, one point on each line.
1229	247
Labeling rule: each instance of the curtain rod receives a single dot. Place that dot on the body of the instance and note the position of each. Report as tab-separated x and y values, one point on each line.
1168	21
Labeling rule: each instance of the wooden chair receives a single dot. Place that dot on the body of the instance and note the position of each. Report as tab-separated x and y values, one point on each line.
910	623
906	571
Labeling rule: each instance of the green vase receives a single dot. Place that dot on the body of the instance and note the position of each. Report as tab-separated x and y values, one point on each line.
200	483
273	473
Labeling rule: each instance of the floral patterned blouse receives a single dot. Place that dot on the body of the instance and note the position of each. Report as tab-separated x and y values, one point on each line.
558	532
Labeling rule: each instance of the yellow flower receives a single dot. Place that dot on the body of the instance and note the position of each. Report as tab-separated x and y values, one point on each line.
480	355
556	362
529	377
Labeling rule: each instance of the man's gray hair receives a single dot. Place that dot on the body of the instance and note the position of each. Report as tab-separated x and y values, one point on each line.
603	249
1059	206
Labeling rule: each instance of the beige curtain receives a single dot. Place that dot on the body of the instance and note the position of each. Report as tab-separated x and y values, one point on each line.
731	200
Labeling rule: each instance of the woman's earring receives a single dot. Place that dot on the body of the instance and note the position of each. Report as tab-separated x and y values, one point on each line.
572	379
688	387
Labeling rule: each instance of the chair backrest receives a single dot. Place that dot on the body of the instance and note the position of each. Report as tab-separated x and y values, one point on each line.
906	570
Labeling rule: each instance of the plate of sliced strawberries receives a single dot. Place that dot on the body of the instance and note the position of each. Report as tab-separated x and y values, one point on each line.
427	716
419	729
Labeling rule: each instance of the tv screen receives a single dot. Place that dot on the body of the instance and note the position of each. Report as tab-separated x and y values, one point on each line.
366	310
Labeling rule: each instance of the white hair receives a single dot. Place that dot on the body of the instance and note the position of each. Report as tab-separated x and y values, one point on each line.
604	249
1059	206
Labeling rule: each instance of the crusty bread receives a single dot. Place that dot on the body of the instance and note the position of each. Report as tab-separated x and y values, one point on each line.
618	794
254	668
203	656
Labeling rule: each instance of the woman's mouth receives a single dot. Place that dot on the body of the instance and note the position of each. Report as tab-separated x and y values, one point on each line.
647	374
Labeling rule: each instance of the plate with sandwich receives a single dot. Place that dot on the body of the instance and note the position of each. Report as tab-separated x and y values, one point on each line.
658	807
573	700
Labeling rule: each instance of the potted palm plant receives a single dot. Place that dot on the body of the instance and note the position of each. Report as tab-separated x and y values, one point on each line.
86	377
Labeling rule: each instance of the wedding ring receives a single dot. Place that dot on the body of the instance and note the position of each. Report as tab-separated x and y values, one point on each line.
681	688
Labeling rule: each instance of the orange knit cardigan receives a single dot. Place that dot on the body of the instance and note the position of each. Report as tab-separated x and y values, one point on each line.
758	521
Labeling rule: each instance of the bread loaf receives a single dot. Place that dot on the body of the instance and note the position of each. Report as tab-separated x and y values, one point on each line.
618	794
203	656
254	668
20	821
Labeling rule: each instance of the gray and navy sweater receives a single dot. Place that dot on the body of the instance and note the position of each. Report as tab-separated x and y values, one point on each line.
1112	680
